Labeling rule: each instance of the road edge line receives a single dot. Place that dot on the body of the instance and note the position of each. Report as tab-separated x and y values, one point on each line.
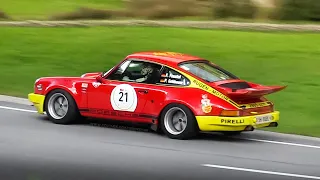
25	101
13	99
261	171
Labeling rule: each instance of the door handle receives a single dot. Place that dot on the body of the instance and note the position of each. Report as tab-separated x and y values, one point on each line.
143	91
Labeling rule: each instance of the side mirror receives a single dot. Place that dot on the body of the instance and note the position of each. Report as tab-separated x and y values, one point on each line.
99	78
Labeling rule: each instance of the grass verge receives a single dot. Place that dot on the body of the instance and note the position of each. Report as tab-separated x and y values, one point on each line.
268	58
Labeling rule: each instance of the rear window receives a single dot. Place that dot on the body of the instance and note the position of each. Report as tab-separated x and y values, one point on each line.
207	71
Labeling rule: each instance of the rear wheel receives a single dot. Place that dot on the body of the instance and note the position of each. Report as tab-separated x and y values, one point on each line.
61	107
178	122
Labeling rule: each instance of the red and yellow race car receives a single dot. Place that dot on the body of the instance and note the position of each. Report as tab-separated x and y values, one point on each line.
174	93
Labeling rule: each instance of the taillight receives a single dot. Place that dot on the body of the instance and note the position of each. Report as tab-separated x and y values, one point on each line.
272	107
231	113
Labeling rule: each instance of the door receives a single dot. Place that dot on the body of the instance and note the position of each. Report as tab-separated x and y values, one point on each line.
123	94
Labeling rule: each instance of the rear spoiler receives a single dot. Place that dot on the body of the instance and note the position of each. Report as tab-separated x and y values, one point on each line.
253	92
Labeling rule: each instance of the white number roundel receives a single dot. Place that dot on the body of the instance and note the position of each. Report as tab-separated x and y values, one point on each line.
124	98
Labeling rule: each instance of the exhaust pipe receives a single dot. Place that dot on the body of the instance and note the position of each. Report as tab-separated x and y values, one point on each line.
273	124
249	128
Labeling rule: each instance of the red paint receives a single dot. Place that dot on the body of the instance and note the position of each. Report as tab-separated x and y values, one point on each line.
95	101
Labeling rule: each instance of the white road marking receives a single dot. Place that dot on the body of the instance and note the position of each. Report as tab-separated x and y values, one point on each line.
261	171
283	143
17	109
259	140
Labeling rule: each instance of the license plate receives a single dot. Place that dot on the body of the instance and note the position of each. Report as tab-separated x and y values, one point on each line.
264	119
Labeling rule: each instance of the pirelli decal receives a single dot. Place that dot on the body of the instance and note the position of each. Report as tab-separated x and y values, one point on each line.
232	121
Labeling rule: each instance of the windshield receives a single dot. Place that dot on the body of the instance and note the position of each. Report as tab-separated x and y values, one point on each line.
106	72
207	71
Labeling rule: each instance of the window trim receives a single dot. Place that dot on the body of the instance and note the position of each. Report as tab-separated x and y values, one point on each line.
132	60
107	74
147	61
210	64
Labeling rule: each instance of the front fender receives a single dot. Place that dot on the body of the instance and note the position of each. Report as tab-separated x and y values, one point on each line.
78	95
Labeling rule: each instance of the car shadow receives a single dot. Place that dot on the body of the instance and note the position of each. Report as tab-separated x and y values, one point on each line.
143	128
216	136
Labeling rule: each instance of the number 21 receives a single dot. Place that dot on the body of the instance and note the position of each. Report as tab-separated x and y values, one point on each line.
126	94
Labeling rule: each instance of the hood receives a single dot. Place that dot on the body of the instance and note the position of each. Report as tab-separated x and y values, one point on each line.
91	75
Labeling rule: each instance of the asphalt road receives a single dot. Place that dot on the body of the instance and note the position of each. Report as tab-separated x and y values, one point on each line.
32	148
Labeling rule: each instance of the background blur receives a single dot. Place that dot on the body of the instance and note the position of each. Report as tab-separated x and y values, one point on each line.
272	56
241	10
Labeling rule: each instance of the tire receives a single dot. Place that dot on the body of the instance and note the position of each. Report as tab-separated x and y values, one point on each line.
186	119
71	113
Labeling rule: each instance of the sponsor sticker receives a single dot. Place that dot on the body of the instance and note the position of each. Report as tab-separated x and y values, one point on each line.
96	84
171	78
167	54
205	104
232	121
84	85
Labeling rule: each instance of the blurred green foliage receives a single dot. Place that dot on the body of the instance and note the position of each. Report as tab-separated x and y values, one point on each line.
288	10
298	10
267	58
234	8
3	15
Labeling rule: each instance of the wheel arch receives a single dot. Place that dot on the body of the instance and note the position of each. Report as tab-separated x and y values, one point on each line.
49	90
176	102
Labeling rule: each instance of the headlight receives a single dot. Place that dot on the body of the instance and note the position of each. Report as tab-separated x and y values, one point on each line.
39	87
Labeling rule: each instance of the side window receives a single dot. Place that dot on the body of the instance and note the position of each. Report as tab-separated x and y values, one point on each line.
172	77
137	71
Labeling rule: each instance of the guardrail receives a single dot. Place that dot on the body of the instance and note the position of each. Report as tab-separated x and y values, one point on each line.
150	23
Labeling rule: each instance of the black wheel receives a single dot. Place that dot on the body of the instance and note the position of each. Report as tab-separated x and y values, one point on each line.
61	107
178	122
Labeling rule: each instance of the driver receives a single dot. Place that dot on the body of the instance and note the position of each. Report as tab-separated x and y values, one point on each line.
145	71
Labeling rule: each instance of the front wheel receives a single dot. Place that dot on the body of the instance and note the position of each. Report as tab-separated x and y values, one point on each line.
178	122
61	107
